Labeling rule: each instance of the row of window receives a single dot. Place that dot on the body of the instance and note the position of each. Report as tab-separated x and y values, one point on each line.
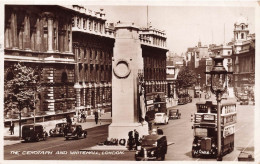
88	24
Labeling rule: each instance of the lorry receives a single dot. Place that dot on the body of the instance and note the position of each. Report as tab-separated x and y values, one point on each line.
205	129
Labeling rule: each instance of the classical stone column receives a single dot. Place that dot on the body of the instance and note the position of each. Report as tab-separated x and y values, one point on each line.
84	86
13	25
50	100
77	87
50	32
27	32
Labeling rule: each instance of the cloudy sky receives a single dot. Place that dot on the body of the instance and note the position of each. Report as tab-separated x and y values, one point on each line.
184	25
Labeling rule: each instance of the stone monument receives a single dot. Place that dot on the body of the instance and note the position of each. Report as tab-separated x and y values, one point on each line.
126	62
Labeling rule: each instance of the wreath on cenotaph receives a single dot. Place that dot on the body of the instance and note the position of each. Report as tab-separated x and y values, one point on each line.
118	72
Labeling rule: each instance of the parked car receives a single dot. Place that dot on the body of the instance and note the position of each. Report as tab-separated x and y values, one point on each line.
174	113
189	98
161	118
75	131
153	147
58	130
244	100
33	133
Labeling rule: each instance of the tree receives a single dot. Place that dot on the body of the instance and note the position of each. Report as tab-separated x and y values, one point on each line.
186	78
20	90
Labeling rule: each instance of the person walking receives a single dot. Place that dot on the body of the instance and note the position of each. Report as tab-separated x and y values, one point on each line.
96	117
11	128
136	138
159	131
130	140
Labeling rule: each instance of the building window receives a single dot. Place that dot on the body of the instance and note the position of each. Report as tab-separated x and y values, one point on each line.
84	24
242	27
100	28
95	26
90	25
242	36
78	23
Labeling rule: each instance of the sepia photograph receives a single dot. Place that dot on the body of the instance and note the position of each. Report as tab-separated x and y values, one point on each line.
102	82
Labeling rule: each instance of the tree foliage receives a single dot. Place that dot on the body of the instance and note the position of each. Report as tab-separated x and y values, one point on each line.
20	90
186	78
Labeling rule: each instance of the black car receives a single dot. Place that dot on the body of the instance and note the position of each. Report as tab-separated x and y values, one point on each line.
244	100
58	130
153	147
74	131
33	133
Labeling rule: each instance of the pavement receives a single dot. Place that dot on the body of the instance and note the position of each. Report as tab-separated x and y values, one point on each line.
90	123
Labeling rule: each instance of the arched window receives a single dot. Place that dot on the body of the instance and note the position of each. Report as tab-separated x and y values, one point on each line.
242	27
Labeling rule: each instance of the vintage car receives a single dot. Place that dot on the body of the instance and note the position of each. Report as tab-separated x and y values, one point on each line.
182	100
58	130
189	98
244	100
153	147
174	113
33	133
161	118
74	131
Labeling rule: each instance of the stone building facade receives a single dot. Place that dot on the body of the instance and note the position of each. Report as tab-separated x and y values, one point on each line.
41	36
74	46
93	44
154	48
243	57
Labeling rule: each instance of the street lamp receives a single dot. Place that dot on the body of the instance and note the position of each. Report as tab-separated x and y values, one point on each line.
218	80
34	99
199	85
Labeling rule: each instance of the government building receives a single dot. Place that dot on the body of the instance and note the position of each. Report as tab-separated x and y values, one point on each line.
73	47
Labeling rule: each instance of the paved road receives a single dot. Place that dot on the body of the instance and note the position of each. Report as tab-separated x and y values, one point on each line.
178	131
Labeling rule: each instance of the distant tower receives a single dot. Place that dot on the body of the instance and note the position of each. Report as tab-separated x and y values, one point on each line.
241	29
199	44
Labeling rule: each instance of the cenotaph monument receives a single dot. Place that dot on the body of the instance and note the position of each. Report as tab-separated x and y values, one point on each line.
127	61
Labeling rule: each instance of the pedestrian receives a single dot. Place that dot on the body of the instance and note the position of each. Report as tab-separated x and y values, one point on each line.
68	119
159	131
130	140
11	128
84	117
96	117
136	138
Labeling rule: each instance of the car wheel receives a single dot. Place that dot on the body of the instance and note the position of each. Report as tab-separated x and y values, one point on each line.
37	138
85	135
67	138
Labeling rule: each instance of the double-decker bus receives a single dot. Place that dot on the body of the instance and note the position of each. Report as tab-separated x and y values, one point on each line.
205	128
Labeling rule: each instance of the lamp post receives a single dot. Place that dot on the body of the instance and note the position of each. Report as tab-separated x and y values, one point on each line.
34	99
199	85
218	80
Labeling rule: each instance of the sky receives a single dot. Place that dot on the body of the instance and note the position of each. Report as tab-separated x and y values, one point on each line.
184	25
